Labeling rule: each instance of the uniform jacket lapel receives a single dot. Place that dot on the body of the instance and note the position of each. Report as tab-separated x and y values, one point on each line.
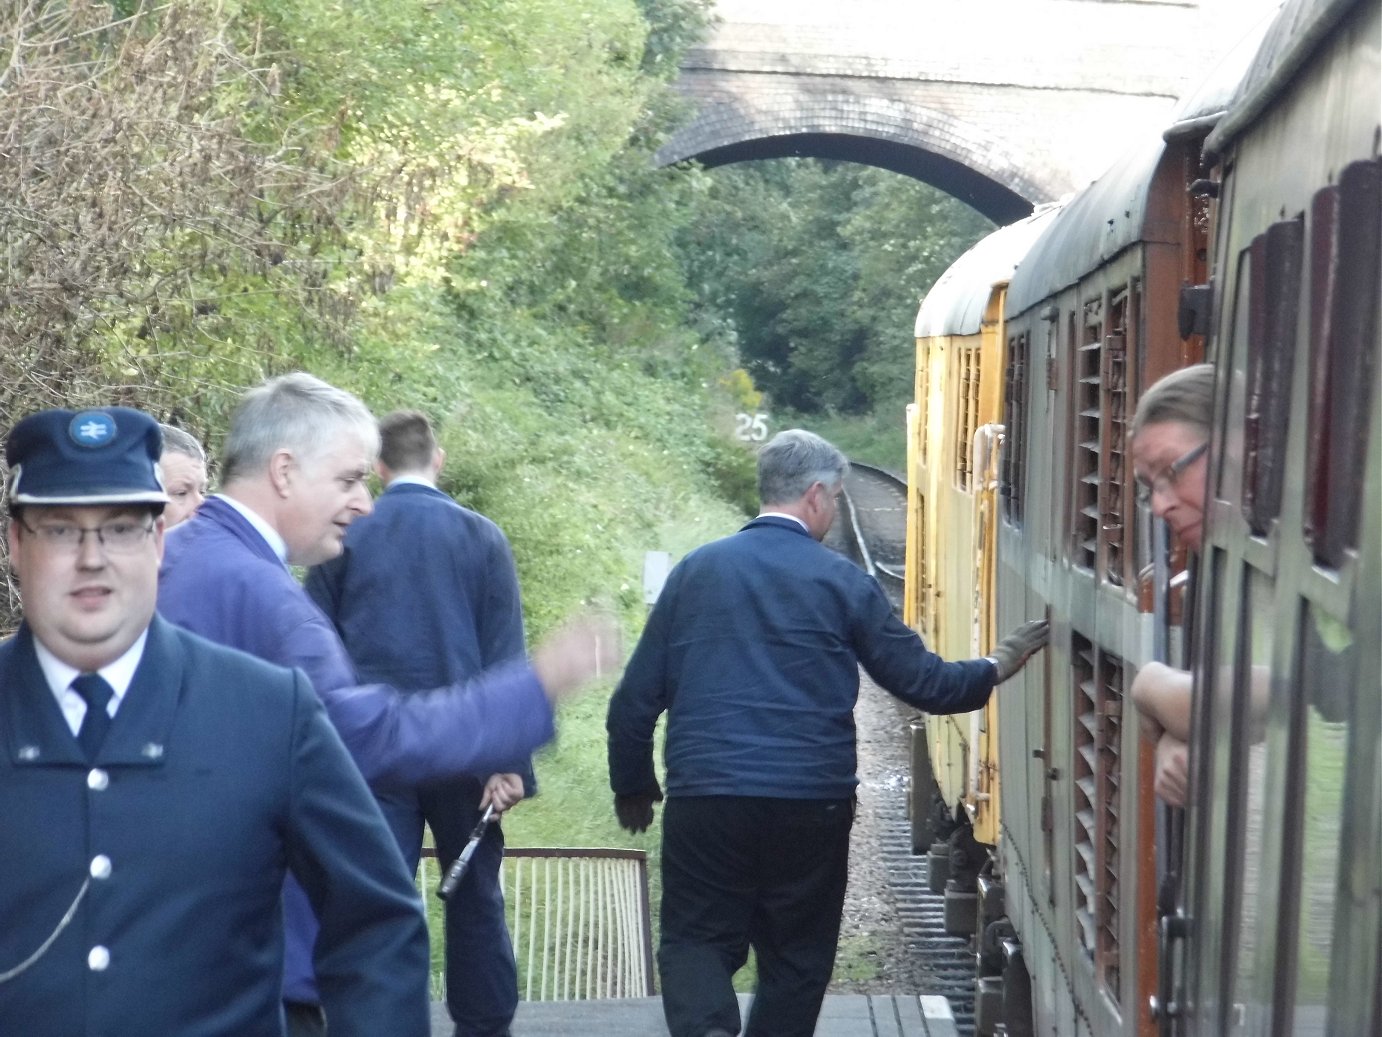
36	733
144	722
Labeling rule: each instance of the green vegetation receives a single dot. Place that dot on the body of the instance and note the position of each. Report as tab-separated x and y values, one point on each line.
435	205
878	438
452	207
818	268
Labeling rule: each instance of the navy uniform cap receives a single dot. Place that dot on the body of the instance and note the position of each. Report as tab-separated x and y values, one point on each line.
103	456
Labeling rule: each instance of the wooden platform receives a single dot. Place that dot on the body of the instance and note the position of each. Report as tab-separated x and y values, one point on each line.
843	1015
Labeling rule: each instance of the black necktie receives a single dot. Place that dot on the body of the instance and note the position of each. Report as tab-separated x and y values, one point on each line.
93	688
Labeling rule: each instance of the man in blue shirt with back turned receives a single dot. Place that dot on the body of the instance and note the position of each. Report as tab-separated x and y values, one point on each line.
754	649
424	594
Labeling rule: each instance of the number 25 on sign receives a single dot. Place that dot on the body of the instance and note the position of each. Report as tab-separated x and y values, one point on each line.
751	428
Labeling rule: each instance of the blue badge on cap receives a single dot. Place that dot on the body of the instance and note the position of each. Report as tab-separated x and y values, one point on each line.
92	428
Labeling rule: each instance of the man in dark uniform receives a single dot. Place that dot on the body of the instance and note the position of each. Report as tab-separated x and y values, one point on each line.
155	788
425	594
754	649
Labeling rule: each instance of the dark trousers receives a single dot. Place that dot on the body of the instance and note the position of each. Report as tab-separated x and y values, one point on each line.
303	1020
481	975
740	872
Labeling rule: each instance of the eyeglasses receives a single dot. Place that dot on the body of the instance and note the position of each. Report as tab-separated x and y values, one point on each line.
1168	476
118	537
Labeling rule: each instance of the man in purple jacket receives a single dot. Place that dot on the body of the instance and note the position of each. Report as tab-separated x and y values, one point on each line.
295	464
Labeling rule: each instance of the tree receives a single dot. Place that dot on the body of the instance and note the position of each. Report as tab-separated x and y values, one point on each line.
818	268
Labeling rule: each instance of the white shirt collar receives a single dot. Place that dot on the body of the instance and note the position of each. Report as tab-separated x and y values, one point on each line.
411	480
59	675
270	535
780	514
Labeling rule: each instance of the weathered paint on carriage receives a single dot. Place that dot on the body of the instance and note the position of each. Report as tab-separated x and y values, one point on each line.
1074	837
1090	323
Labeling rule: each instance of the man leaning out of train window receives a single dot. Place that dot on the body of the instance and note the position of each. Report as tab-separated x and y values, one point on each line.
1169	445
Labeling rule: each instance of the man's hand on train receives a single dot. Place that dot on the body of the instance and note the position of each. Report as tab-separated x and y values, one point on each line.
1012	653
635	812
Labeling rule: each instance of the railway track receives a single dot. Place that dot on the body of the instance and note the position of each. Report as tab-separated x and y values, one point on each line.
875	521
872	530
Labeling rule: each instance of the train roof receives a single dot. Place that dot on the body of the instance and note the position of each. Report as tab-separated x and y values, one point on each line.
1202	108
1298	29
1093	227
1112	213
956	303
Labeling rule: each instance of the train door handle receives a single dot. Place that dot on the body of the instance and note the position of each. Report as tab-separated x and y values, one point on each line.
1162	1014
1163	1005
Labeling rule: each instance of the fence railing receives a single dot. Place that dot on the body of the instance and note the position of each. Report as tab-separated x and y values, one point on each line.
579	919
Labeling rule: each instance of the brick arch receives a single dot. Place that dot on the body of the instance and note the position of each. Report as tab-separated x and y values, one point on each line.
922	143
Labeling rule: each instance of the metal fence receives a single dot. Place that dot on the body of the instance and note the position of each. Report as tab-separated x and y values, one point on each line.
579	920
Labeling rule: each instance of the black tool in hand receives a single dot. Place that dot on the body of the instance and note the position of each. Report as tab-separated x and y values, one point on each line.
462	863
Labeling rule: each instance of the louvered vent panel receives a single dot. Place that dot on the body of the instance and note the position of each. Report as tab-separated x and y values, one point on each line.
1113	498
968	361
1086	787
1098	680
1110	706
1085	532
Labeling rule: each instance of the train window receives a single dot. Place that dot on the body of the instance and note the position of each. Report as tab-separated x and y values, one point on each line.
1274	302
1321	704
967	415
1048	774
1012	473
1254	845
922	588
1229	421
1210	769
1085	512
1098	681
1344	273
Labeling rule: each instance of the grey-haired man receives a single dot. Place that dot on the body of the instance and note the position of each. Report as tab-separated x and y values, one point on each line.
294	468
753	649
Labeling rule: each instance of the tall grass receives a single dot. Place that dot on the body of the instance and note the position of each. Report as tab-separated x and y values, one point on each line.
878	439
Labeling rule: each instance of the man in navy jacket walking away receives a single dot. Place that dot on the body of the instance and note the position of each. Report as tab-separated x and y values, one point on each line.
753	649
425	594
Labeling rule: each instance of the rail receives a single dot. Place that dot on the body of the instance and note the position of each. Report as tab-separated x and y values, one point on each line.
865	537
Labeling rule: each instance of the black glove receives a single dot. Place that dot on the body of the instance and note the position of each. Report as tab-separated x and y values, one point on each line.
1011	653
635	812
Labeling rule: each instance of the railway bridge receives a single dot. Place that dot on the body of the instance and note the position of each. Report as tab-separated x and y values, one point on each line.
1001	103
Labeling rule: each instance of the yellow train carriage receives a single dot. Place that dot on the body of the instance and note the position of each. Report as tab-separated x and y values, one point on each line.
953	440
